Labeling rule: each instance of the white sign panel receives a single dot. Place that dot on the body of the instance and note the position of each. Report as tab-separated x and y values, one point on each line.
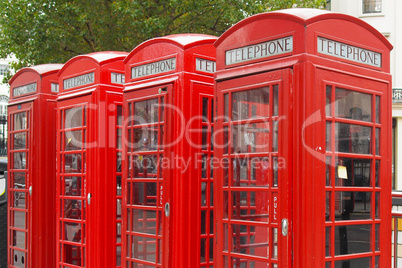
203	65
22	90
78	81
259	51
117	78
348	52
157	67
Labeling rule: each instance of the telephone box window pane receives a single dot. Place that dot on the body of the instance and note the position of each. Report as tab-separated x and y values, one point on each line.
145	166
20	140
377	109
146	112
239	172
328	101
20	121
352	172
275	171
250	206
19	180
19	161
377	141
19	219
260	168
353	239
19	199
145	194
360	262
73	117
250	240
72	209
275	136
145	139
73	140
144	221
144	248
352	138
352	105
328	241
250	104
226	105
72	255
275	107
72	232
19	239
205	109
250	138
328	177
352	206
377	205
72	186
377	173
119	115
72	163
328	206
328	136
377	237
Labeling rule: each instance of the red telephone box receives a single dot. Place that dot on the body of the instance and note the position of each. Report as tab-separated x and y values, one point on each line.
32	166
304	120
167	179
89	116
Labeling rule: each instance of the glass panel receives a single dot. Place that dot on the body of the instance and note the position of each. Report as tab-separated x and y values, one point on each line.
328	177
352	239
144	193
73	140
205	109
377	173
146	111
19	180
20	141
361	262
377	205
119	115
19	219
352	206
73	117
19	161
259	175
144	221
328	136
145	166
19	200
72	186
72	163
72	232
20	121
250	206
352	105
275	108
275	130
71	254
352	138
250	138
145	139
72	209
328	242
250	104
328	101
377	237
226	105
377	141
352	172
250	240
144	248
275	173
274	243
328	206
19	239
377	109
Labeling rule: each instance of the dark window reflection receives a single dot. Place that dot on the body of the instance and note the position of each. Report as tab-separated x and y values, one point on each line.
352	172
351	138
352	239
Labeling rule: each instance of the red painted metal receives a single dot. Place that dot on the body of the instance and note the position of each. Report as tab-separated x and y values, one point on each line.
167	207
89	157
32	166
333	134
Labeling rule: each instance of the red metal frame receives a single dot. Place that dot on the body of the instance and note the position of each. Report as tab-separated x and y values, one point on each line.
184	81
319	212
88	113
31	146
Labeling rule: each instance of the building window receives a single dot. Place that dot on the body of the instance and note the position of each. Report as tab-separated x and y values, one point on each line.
3	69
372	6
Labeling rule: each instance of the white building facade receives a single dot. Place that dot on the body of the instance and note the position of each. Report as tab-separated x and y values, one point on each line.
384	15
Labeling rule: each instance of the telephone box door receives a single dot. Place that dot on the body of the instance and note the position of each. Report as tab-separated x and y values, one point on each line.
19	185
254	174
73	196
147	212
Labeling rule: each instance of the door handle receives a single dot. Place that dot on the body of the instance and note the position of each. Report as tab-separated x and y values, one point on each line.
167	209
285	227
30	190
89	196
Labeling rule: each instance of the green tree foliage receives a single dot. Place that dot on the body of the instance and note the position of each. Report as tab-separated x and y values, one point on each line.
46	31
